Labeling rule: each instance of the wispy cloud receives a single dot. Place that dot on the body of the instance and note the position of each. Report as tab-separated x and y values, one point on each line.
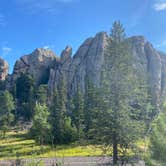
36	6
51	46
46	47
161	44
6	50
159	6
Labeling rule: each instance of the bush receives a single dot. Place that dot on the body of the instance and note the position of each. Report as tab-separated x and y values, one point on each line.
70	132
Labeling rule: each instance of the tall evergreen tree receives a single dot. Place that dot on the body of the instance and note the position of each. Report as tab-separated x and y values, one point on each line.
6	108
62	130
77	112
25	95
42	94
91	105
116	126
157	144
118	73
40	129
24	88
57	117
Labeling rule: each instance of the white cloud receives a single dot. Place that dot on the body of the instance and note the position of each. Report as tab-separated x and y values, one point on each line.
46	47
6	50
49	46
159	6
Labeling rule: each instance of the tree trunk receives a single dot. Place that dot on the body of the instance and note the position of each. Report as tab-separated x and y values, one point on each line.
115	151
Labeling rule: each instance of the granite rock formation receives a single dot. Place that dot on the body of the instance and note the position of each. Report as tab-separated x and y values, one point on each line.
4	68
89	59
37	64
46	67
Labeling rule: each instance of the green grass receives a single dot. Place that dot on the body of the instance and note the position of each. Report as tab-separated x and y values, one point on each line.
17	145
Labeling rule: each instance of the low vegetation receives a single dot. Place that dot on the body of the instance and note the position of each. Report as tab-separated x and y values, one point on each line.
17	145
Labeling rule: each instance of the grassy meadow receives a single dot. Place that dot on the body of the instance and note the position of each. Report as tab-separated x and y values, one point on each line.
17	145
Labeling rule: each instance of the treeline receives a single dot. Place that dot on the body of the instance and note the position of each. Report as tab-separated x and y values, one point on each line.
116	115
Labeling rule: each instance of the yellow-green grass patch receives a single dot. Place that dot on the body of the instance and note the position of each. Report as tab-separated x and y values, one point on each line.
17	145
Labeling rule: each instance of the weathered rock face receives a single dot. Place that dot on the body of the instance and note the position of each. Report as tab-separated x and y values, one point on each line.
149	61
89	59
37	64
88	62
4	68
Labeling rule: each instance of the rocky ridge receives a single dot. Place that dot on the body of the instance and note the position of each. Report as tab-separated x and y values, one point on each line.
88	61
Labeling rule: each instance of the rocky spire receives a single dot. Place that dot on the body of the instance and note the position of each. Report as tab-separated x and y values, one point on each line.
66	54
4	69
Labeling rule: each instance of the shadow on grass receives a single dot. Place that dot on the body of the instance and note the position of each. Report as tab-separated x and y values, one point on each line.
19	144
14	152
15	146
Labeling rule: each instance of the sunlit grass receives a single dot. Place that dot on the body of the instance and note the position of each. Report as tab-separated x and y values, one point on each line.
62	151
17	145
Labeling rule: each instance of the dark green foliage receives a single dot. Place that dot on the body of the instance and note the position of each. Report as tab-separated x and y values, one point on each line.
92	104
41	129
24	88
61	127
119	86
6	108
157	138
57	117
69	132
25	96
42	94
77	112
26	110
115	125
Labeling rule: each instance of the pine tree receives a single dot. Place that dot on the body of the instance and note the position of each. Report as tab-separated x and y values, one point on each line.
42	94
118	73
6	108
57	117
77	112
40	129
91	105
25	95
61	127
116	125
157	144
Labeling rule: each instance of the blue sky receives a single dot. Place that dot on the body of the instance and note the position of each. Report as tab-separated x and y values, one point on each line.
28	24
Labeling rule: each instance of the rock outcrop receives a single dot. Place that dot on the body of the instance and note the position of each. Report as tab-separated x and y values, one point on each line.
46	67
89	59
151	62
87	62
37	64
4	69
